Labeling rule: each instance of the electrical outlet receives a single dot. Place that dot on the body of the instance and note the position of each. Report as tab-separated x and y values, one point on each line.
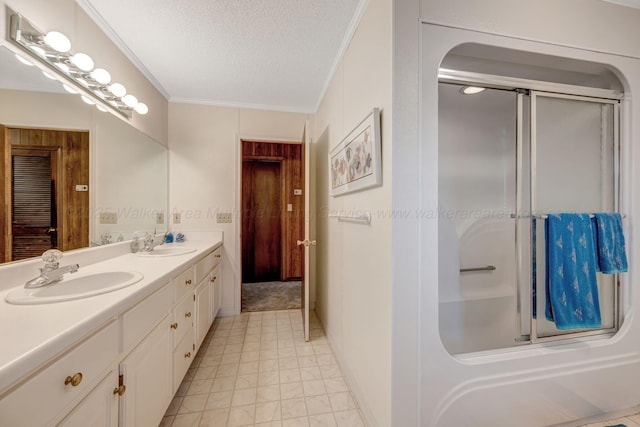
108	218
176	218
160	218
223	217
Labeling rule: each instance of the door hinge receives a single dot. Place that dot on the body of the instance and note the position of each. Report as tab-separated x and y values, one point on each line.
194	297
194	347
121	380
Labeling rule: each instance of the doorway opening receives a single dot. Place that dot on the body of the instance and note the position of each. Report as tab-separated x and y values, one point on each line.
272	222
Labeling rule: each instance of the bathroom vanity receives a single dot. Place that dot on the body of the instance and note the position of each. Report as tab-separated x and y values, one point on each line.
110	359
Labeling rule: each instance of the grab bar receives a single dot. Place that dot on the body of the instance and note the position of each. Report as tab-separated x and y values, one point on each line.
487	268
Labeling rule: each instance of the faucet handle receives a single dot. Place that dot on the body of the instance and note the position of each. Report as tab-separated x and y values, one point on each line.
52	258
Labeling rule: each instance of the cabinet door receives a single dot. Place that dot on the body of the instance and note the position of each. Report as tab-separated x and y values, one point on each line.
203	311
216	292
147	375
99	408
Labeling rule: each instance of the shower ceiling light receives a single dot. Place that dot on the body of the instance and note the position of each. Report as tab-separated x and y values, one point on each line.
52	53
23	60
472	90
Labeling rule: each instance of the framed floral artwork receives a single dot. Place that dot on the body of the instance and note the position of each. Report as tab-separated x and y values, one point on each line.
354	164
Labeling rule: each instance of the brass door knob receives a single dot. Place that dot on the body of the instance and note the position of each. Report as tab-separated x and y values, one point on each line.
74	380
120	390
187	314
174	326
187	282
187	355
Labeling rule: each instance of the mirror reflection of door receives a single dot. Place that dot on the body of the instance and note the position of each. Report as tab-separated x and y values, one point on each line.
33	204
41	190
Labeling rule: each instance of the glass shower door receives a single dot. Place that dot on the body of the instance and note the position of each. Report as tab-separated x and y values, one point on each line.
574	170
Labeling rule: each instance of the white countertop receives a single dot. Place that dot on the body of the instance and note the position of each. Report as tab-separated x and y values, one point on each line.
32	335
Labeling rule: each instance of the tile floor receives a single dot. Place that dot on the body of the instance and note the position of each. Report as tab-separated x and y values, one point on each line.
255	369
630	421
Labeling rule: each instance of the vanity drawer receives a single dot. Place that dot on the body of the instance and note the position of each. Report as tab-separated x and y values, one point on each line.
203	267
182	357
46	395
183	318
185	282
217	256
141	319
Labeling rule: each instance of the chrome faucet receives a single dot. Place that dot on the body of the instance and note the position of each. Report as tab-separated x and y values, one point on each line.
51	272
150	241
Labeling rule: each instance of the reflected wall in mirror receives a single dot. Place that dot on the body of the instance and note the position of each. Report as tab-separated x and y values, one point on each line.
125	189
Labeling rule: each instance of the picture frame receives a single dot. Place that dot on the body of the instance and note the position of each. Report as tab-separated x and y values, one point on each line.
355	163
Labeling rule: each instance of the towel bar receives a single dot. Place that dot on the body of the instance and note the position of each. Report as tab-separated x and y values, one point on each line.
364	218
487	268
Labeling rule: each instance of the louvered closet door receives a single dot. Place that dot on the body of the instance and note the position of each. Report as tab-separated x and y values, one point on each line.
33	204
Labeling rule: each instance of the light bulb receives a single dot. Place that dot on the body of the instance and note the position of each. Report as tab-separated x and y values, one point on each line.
141	108
87	100
69	89
130	101
101	75
101	108
57	41
48	75
82	61
23	60
118	90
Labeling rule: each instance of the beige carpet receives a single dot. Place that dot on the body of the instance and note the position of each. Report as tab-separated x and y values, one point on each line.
268	296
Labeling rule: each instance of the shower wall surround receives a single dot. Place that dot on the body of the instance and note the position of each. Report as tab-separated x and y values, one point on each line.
465	371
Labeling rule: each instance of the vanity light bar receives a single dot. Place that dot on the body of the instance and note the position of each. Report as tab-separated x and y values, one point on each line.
74	68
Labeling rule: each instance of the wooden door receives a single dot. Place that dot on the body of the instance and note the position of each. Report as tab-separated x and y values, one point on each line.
261	221
307	242
33	202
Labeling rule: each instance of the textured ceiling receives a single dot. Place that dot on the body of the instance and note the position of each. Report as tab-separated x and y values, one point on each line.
276	54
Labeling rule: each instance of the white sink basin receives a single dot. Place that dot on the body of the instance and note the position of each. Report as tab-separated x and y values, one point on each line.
75	286
167	250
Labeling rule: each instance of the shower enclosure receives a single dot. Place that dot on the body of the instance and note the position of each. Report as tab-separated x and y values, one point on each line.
508	156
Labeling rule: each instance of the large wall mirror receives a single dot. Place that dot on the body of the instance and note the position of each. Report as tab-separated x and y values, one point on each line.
72	176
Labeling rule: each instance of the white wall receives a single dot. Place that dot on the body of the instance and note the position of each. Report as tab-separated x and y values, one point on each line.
204	173
353	260
454	392
69	18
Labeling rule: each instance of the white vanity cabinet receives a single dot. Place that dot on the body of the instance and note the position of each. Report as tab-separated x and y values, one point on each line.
99	408
147	375
127	372
56	390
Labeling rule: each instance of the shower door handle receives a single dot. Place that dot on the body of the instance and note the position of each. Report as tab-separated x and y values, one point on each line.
487	268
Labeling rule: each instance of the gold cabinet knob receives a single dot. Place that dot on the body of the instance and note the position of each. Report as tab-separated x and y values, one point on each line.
74	380
213	279
174	326
187	355
120	390
187	282
187	314
217	255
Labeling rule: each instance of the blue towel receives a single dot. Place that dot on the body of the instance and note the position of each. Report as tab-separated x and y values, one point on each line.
571	284
612	257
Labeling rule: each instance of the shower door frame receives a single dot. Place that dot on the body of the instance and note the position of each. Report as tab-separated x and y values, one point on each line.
526	87
535	215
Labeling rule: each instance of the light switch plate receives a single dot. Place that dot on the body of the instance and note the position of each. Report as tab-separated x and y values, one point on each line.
108	218
223	217
289	207
160	218
82	187
176	218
